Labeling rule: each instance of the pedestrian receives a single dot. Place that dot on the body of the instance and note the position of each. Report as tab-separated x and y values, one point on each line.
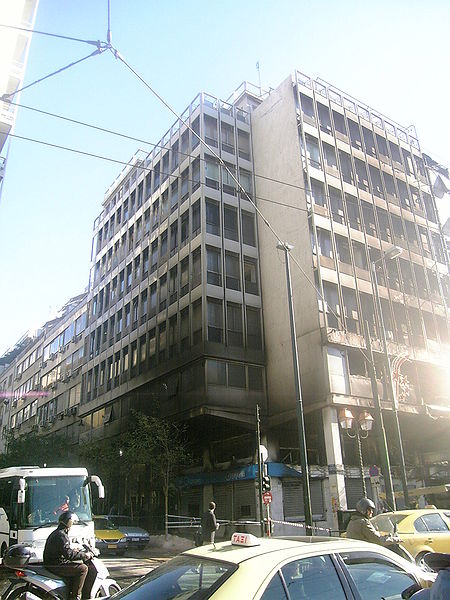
209	524
360	528
440	590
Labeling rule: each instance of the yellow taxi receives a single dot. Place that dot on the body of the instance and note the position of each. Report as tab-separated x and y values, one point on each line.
420	530
108	538
310	568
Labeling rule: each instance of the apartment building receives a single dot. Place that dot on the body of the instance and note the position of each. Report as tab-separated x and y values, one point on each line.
14	46
186	313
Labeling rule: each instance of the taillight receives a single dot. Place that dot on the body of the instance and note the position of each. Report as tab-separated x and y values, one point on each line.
20	573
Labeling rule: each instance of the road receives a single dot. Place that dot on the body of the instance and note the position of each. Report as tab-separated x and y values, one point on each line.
124	569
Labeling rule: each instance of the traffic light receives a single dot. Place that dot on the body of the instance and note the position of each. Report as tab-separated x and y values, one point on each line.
265	483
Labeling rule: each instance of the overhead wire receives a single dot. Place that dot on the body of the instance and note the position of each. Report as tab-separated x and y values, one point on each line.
107	46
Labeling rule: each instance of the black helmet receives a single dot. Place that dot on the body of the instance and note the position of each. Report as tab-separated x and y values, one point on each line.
17	556
67	516
364	504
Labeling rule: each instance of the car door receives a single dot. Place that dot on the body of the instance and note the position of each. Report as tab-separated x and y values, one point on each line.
373	576
438	532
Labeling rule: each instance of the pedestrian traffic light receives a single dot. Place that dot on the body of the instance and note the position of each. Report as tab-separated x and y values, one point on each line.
265	483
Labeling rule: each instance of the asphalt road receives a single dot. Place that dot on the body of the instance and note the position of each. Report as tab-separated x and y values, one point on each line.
124	569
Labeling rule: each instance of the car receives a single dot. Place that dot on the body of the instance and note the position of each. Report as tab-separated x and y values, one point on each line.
420	530
310	568
108	538
136	536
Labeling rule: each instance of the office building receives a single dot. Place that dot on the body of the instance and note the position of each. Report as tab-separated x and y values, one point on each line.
187	313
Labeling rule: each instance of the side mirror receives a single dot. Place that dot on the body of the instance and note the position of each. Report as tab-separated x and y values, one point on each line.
98	482
3	514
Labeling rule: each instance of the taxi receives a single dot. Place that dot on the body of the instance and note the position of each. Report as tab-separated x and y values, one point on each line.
108	538
310	568
420	530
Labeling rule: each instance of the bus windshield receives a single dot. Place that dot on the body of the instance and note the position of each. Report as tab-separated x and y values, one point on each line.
47	497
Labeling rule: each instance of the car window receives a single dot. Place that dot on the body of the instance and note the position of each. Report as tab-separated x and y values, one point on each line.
275	590
312	578
182	577
435	522
376	577
419	525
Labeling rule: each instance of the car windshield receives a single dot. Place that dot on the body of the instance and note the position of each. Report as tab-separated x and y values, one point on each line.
47	497
386	522
183	577
103	524
121	520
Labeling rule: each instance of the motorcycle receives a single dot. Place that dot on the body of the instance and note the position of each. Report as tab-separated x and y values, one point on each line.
36	582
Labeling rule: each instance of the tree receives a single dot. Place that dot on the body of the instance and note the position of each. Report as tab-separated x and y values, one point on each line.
161	444
34	449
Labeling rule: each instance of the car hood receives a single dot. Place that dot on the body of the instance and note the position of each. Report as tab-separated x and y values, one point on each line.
108	534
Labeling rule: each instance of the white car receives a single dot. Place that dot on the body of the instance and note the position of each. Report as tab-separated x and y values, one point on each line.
306	568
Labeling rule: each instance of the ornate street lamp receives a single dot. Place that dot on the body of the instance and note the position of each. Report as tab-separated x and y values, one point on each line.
357	428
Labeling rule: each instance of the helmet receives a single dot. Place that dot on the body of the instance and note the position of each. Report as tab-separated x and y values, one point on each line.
17	556
364	504
67	517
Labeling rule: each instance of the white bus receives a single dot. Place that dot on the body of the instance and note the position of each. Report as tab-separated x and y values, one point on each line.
32	498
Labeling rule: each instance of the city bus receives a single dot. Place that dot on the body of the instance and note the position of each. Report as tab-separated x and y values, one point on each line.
32	498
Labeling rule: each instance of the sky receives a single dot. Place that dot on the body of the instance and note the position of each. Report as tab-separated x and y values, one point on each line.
393	55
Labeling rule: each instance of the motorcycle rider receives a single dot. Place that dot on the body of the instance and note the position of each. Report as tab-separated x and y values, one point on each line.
60	558
360	528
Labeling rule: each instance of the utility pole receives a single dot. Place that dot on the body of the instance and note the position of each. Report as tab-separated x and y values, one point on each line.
260	467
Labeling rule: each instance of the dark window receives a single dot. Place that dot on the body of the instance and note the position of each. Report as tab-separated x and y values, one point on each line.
234	324
215	321
248	229
230	223
232	271
212	217
214	266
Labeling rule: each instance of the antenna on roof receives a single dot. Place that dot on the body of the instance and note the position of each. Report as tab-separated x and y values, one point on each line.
108	33
259	78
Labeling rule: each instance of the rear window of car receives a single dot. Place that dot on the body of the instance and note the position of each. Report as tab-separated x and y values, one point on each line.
183	576
435	522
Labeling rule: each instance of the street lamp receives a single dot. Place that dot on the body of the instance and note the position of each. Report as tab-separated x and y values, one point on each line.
298	395
392	253
357	429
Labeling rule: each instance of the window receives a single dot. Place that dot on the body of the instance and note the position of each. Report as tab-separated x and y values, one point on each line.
214	266
212	217
251	276
211	131
215	321
196	267
233	279
163	245
243	145
184	228
173	238
153	289
162	342
184	279
234	325
255	378
230	223
314	578
245	179
236	375
196	218
163	292
227	132
248	229
211	174
184	329
376	577
228	182
197	321
216	372
312	152
254	337
330	157
173	284
434	522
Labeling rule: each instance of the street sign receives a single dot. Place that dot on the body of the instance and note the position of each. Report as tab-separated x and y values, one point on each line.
374	471
375	480
267	497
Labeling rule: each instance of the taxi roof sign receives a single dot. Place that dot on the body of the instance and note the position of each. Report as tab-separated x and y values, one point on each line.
244	539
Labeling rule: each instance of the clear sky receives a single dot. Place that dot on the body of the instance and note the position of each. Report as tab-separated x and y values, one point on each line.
391	54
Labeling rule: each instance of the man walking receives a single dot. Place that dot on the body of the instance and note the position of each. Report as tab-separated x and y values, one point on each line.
209	524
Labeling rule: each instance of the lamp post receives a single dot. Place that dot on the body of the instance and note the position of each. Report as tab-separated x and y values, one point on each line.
298	395
392	253
357	429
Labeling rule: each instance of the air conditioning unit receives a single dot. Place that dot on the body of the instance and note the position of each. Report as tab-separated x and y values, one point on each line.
61	416
53	386
43	364
73	410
